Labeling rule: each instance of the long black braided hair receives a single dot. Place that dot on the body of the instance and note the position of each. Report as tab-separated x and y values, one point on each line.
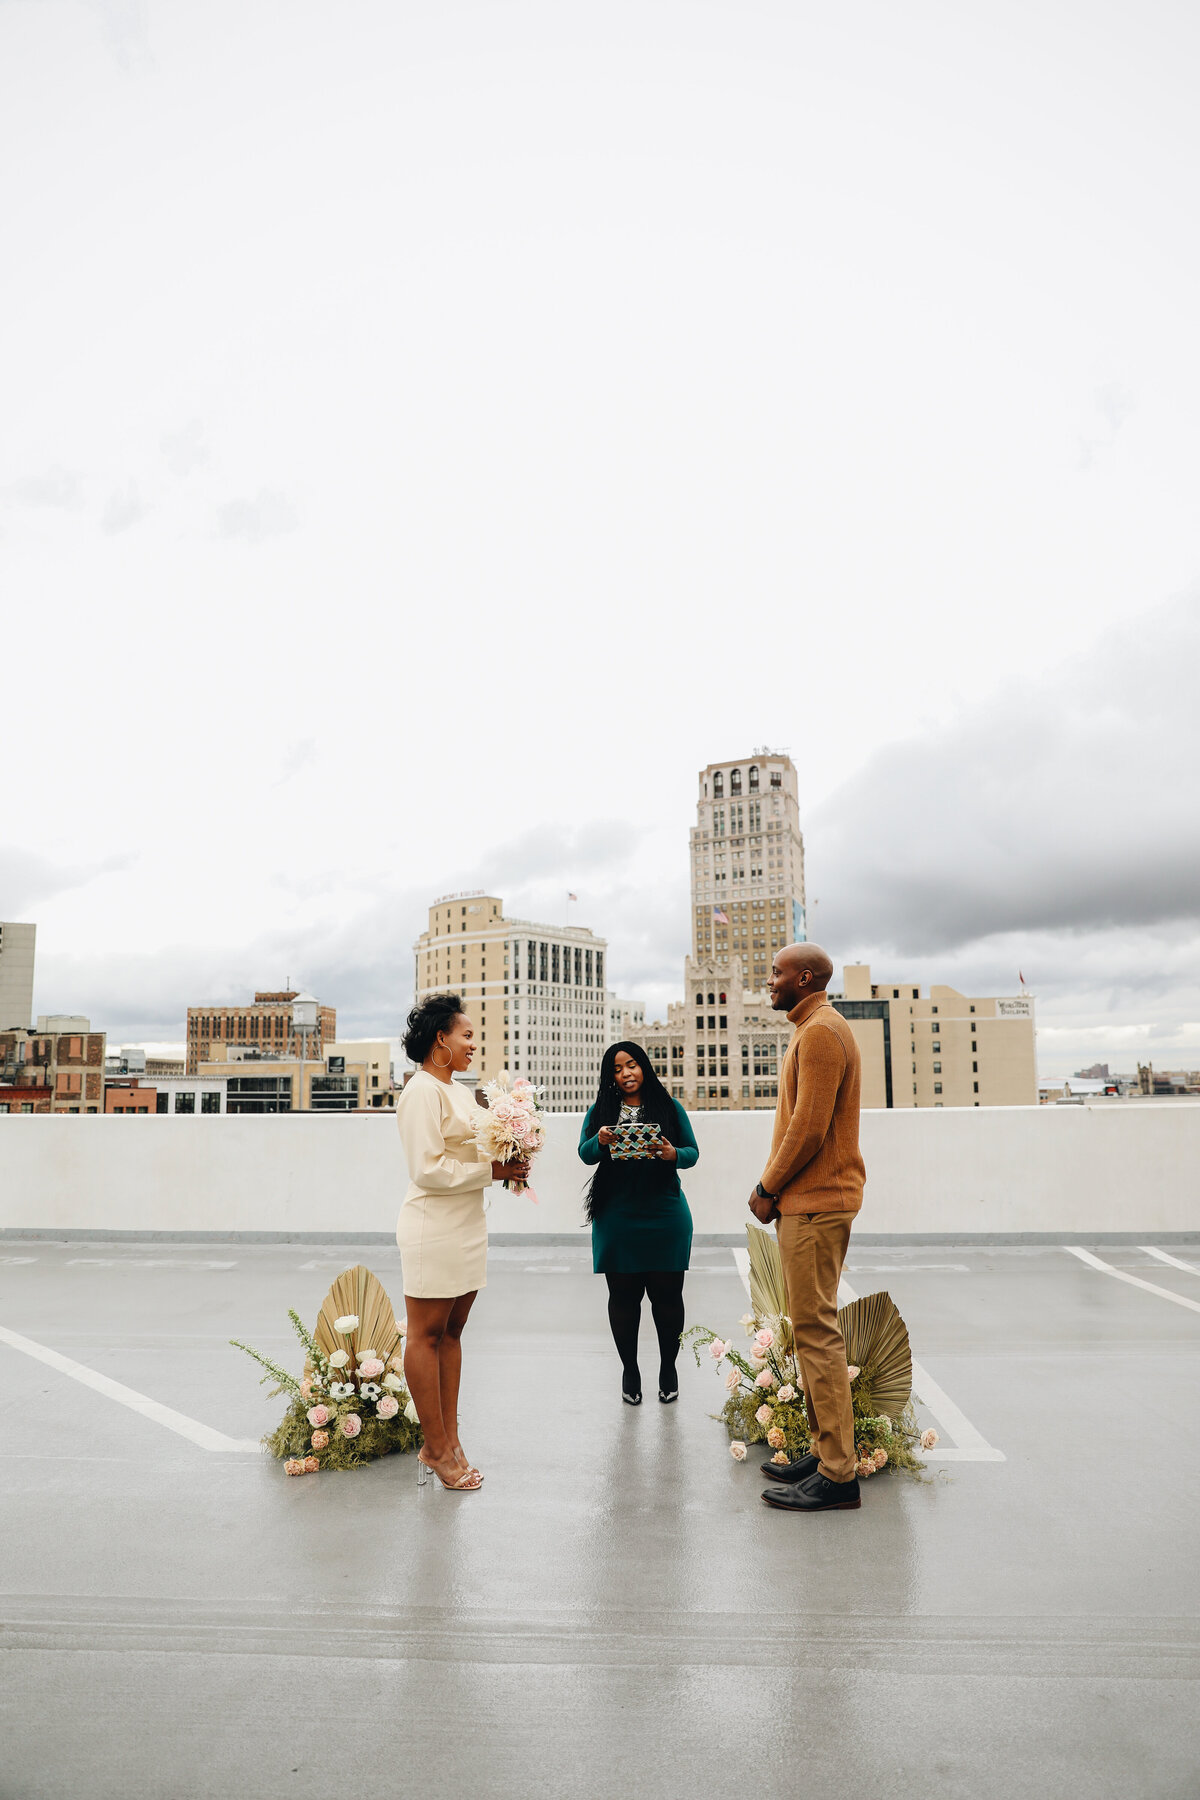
658	1108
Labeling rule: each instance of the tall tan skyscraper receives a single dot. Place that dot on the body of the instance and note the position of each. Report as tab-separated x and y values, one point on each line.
747	864
16	976
535	992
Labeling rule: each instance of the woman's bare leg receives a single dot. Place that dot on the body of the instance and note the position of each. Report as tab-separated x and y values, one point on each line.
427	1321
450	1371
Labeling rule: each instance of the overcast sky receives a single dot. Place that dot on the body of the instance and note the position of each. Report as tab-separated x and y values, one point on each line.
433	432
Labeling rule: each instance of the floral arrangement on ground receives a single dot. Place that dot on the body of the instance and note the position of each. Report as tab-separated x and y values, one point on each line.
350	1406
765	1401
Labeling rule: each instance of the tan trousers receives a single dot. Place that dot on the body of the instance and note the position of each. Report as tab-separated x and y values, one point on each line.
812	1247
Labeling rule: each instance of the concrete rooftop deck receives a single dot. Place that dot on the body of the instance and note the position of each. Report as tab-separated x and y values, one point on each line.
615	1614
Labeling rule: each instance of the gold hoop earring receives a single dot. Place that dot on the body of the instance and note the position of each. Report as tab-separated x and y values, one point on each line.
448	1064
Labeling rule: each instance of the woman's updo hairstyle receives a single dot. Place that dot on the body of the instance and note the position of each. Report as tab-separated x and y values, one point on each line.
438	1013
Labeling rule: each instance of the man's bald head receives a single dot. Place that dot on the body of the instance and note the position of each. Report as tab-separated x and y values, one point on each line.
797	970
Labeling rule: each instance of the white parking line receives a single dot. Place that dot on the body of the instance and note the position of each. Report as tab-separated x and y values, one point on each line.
1133	1280
204	1435
1174	1261
970	1444
146	1262
903	1268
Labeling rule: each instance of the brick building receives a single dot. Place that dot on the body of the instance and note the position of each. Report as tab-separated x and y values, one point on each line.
63	1069
266	1026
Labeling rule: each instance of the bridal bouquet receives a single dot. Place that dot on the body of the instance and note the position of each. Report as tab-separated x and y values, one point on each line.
511	1129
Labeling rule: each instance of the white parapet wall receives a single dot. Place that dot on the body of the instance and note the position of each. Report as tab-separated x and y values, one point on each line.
1120	1169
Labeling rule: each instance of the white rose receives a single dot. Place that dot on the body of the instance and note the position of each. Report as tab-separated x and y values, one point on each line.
339	1359
393	1382
410	1413
347	1322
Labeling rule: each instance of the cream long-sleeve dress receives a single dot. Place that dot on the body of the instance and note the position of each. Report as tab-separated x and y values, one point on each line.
441	1231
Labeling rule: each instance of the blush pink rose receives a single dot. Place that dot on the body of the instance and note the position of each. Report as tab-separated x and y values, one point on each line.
764	1415
787	1392
371	1368
737	1450
733	1379
318	1415
929	1440
765	1380
717	1349
351	1425
764	1338
388	1407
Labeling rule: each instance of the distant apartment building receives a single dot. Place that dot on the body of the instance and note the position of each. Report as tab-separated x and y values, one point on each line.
535	992
265	1026
945	1049
60	1072
747	865
719	1049
128	1095
339	1080
17	944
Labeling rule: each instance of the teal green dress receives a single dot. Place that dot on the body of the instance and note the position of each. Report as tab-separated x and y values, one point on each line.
646	1223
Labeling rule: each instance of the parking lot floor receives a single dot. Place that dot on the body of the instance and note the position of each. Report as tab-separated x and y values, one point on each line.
615	1613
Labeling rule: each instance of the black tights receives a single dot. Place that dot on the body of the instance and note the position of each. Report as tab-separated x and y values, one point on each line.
665	1289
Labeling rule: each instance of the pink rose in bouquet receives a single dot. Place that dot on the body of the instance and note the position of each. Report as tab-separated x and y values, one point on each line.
511	1130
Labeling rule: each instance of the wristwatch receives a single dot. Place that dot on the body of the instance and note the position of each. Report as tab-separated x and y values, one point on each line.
762	1193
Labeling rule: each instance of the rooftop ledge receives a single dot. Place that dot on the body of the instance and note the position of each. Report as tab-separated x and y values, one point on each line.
1019	1174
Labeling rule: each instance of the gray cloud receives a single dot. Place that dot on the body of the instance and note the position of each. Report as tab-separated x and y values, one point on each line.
123	30
57	487
186	449
125	508
250	521
27	879
1114	403
1067	803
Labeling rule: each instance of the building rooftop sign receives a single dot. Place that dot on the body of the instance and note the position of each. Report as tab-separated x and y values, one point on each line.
467	894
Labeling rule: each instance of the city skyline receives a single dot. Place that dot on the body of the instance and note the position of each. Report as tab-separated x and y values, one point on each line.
329	541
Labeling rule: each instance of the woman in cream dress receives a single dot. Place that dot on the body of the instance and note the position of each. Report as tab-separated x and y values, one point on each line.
441	1231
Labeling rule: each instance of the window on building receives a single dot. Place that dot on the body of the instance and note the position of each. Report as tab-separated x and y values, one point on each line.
776	778
975	1086
937	1087
718	786
210	1103
735	781
163	1102
754	778
937	1068
185	1103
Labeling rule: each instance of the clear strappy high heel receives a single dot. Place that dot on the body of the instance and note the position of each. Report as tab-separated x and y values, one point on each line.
469	1482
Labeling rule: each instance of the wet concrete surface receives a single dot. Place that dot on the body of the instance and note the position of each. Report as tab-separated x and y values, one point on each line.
615	1613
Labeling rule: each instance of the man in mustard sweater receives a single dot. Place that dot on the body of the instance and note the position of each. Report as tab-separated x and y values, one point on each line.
812	1187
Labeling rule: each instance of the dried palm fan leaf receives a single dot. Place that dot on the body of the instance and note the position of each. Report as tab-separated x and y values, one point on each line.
877	1342
768	1290
359	1292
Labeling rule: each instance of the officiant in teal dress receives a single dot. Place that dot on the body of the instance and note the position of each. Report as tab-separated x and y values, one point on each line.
640	1219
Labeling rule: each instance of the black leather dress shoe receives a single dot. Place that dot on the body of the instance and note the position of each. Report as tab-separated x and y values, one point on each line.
791	1472
817	1494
